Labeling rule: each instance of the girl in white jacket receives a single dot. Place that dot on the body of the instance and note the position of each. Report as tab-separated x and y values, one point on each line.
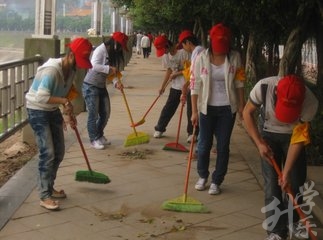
217	94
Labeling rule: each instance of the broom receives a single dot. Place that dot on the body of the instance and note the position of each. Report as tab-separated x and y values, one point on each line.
88	176
176	146
296	206
185	203
136	137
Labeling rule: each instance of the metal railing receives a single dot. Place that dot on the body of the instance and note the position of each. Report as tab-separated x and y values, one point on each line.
15	80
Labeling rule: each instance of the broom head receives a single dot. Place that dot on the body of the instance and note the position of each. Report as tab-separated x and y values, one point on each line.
92	177
175	147
136	139
185	204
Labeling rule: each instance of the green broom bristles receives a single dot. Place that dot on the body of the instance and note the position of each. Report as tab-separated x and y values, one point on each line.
134	139
92	177
180	205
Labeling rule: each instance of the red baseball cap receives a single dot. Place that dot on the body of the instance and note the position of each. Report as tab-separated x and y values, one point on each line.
81	49
184	34
121	38
290	98
220	37
160	44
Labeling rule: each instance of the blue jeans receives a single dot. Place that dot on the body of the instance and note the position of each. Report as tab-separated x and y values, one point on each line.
218	122
48	130
98	106
279	143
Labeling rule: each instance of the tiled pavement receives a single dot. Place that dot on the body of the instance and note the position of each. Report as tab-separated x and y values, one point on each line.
143	177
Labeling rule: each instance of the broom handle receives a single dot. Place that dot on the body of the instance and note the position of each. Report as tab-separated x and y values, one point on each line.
155	100
179	124
83	150
151	106
189	162
129	113
128	109
298	209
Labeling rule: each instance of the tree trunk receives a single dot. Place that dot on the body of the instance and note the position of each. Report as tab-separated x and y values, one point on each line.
292	52
319	50
251	71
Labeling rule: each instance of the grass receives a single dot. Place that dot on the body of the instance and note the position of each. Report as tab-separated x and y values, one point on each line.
13	39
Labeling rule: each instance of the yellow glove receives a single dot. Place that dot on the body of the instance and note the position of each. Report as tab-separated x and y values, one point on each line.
113	76
240	74
72	94
301	134
187	70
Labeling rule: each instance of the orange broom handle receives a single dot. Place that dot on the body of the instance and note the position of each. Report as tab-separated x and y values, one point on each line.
156	99
188	169
298	209
83	150
128	109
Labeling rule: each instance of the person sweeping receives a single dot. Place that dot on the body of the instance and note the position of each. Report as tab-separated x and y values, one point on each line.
286	106
105	59
48	92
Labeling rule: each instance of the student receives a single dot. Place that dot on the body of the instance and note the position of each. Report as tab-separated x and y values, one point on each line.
48	92
286	105
173	60
217	94
145	44
190	44
105	60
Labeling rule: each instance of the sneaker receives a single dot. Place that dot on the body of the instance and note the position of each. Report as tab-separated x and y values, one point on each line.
158	134
201	184
49	204
104	141
274	236
298	231
214	189
97	144
190	138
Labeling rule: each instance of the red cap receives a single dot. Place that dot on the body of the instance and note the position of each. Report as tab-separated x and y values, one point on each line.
121	38
160	44
290	97
220	38
81	49
184	34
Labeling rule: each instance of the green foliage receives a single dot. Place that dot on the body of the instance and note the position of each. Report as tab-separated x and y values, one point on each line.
74	24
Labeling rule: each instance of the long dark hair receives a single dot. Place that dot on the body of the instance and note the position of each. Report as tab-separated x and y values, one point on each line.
115	53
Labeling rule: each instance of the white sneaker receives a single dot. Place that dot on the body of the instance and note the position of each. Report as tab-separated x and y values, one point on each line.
298	231
214	189
104	141
273	236
97	144
158	134
201	184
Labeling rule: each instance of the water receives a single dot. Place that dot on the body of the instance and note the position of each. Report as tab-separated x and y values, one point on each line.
10	54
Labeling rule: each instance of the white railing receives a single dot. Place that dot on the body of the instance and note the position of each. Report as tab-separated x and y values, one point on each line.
15	80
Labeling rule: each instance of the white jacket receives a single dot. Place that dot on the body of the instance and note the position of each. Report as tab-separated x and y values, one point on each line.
201	74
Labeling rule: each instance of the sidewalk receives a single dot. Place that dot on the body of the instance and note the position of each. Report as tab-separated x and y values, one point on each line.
142	178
